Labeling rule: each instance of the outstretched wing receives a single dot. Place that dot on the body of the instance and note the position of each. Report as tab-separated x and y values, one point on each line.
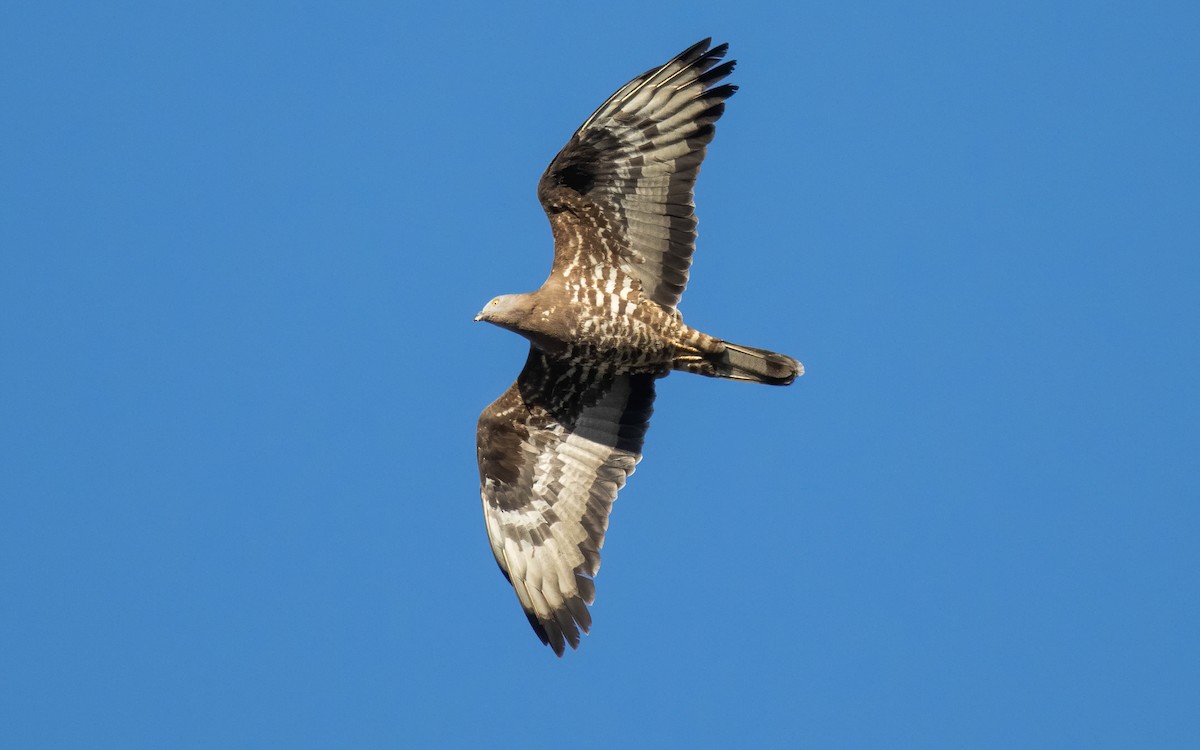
553	452
630	169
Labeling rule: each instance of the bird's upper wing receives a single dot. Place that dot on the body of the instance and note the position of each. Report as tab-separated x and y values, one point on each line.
630	169
553	452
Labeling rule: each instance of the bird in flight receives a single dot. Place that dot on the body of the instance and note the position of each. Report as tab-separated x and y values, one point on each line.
556	447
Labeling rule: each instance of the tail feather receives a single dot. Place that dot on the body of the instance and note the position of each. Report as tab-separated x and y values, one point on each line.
760	365
746	363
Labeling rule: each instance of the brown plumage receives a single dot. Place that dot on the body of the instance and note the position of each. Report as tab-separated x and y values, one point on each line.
558	445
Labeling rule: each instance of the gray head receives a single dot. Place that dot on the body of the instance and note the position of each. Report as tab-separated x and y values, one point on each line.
507	310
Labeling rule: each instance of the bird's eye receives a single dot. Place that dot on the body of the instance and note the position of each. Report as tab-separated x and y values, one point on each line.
495	302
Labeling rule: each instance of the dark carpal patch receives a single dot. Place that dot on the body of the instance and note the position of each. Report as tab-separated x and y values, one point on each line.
578	177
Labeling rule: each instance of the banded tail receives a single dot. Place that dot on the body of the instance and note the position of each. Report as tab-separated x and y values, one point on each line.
746	363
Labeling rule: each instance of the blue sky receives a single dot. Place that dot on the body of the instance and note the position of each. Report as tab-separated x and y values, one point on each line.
242	248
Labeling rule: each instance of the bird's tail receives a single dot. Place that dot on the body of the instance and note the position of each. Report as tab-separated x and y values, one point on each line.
747	363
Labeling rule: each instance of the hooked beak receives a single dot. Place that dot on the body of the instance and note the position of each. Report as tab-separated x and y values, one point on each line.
478	316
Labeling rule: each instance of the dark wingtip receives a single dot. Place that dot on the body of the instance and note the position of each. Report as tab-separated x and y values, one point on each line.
551	636
700	50
537	628
712	76
699	46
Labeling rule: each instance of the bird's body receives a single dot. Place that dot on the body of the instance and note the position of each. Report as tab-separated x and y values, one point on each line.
558	445
595	322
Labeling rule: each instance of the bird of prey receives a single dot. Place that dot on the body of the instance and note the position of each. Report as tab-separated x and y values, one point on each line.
556	447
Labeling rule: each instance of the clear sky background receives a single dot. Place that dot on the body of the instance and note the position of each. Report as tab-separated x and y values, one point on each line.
242	246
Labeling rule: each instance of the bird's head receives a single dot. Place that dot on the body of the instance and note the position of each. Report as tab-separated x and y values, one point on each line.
507	310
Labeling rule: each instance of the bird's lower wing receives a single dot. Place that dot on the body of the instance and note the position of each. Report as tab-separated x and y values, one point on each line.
553	452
